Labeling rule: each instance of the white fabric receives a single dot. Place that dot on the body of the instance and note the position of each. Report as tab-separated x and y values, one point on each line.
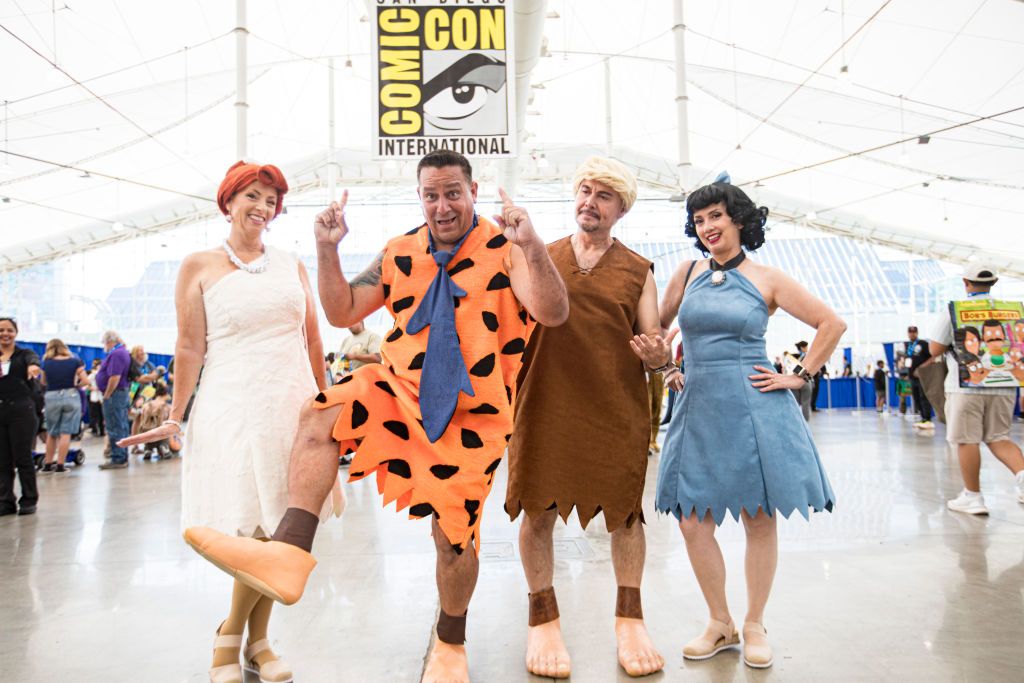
246	413
942	333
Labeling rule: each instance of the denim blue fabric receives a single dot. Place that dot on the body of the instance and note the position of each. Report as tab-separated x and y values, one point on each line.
63	412
115	416
730	446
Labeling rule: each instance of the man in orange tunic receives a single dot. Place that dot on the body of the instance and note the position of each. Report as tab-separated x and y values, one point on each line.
432	420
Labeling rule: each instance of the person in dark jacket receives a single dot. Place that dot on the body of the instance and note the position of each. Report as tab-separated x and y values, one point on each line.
19	366
917	353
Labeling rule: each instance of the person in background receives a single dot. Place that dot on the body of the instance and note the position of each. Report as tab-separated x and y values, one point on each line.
112	379
917	354
18	421
880	383
361	347
95	403
803	393
62	374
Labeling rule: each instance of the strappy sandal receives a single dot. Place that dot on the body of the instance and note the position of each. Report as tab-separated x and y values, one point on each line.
227	673
717	637
274	671
756	656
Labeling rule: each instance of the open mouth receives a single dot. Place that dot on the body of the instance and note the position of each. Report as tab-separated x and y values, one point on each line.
445	222
713	238
258	220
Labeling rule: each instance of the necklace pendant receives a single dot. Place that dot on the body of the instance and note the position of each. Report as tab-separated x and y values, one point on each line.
717	277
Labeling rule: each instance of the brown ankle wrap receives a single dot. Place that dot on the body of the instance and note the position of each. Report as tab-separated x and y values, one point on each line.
543	607
627	603
451	630
297	527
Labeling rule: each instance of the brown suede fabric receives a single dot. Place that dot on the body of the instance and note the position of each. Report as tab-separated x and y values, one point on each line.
543	607
451	630
297	527
627	603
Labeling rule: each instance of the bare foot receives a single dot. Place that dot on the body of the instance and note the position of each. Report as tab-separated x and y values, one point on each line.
447	664
545	652
637	653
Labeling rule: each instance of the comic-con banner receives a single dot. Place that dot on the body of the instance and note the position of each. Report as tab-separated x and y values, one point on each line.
988	340
444	78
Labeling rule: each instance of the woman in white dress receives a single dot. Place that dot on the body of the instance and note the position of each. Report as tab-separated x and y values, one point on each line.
240	306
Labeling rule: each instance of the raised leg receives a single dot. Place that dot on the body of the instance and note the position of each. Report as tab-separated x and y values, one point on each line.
1009	454
637	653
545	651
456	580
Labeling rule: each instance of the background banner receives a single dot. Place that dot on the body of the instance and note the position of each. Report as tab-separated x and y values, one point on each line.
444	78
988	340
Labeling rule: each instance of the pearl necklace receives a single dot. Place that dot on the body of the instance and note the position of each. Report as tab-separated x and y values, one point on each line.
255	266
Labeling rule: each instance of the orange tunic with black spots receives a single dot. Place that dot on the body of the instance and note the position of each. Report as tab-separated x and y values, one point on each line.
380	418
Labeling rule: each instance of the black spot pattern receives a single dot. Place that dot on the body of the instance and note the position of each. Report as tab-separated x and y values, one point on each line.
493	466
522	315
471	439
421	510
483	367
455	300
515	346
461	266
384	386
397	428
346	378
508	392
484	409
444	471
496	242
471	507
491	321
404	264
320	398
499	281
417	361
349	451
402	304
395	335
400	468
359	414
387	290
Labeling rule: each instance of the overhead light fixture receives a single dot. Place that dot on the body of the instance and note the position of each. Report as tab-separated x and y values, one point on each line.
85	175
5	200
348	63
117	226
844	73
678	197
924	139
538	86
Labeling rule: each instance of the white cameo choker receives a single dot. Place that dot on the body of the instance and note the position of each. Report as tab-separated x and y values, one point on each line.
255	266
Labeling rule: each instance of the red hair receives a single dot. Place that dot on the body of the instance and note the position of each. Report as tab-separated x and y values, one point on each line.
241	175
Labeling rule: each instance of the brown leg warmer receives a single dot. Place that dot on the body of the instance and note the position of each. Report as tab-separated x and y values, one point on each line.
297	527
627	603
543	607
451	630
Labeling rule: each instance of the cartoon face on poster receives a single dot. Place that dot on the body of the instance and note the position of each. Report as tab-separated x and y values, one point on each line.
444	78
988	341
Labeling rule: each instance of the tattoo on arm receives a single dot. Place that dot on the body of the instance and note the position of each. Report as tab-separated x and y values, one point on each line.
371	276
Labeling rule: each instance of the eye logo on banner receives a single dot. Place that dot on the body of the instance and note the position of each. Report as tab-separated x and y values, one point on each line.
444	78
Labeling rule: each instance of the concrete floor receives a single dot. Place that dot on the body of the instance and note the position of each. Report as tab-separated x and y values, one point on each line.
99	586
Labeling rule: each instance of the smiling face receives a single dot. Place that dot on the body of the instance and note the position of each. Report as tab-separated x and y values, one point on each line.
253	207
447	197
598	206
8	333
717	231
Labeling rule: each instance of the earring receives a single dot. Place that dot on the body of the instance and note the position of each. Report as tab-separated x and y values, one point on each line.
227	218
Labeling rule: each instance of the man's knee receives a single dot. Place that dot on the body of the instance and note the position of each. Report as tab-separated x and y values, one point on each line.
315	424
541	525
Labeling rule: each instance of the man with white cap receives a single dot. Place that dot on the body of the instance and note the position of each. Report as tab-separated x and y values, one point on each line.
975	415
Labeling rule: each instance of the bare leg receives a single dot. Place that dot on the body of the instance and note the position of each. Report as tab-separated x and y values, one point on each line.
707	562
243	599
637	653
63	445
545	651
51	449
969	455
761	560
1008	454
456	580
314	458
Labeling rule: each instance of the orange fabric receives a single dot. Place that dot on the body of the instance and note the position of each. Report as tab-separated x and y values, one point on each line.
241	175
380	417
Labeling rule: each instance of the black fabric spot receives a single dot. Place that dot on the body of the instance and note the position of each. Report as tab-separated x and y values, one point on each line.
522	315
499	281
359	414
484	409
320	398
396	335
421	510
496	241
493	466
507	437
397	428
349	451
508	392
471	439
387	290
491	321
404	264
385	387
417	361
515	346
483	367
346	378
458	549
471	507
455	300
402	304
400	468
356	474
461	266
444	471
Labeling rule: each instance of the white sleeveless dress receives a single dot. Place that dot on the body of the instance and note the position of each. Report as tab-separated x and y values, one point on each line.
246	413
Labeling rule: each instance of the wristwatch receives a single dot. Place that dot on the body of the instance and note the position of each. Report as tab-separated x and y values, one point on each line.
801	372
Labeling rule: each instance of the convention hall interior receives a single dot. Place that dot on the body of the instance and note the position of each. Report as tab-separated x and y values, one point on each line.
885	138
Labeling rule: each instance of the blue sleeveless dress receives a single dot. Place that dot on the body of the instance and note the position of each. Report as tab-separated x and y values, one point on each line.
729	446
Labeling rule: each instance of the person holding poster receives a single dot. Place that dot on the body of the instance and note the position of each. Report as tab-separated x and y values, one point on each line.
431	421
976	413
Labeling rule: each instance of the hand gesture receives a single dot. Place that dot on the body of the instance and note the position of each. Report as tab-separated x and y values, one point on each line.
654	351
514	222
675	380
164	431
329	226
769	380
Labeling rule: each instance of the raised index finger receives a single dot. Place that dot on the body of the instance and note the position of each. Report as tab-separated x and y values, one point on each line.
505	199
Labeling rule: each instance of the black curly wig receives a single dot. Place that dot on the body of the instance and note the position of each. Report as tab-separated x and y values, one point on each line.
741	210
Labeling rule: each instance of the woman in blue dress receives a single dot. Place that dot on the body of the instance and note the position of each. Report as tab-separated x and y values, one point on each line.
736	442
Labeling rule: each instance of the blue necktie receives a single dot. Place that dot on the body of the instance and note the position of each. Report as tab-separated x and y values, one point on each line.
444	370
